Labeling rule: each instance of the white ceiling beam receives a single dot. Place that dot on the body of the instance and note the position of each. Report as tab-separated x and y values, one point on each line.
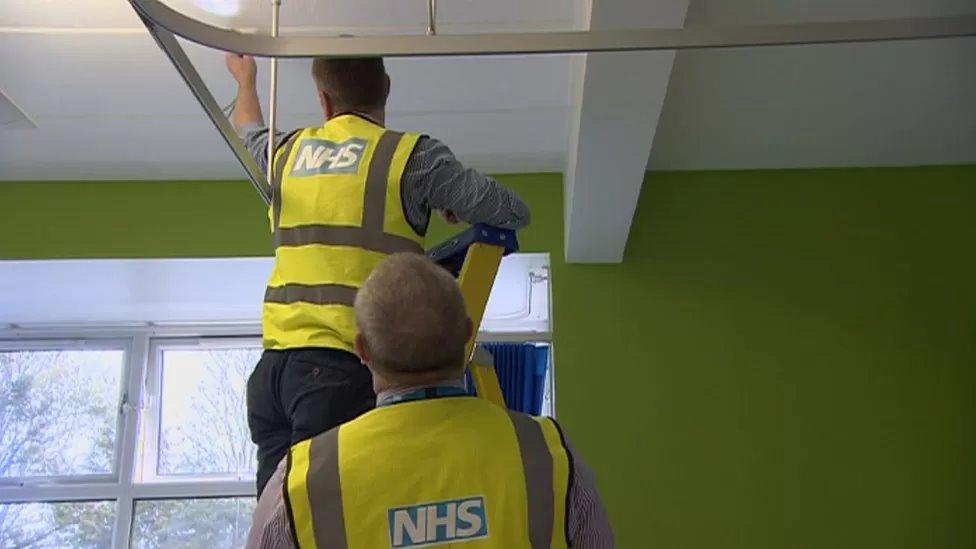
617	102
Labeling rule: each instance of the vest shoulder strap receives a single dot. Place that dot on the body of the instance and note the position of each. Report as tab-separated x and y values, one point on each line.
312	493
282	152
565	471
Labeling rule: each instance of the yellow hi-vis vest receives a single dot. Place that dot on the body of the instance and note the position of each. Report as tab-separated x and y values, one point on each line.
435	472
336	213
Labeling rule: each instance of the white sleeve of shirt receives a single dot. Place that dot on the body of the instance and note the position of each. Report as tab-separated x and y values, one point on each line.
270	528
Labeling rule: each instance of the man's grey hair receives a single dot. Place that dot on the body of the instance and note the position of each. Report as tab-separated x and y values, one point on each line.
412	317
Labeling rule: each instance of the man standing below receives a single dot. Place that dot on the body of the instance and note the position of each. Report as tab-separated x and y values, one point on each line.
430	466
347	195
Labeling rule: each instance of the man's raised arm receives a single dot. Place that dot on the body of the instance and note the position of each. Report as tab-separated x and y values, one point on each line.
247	118
247	110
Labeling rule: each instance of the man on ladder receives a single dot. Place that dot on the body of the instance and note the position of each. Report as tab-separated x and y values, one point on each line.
346	195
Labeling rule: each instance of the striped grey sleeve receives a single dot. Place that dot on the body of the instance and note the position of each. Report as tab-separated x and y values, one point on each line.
255	137
435	180
270	528
276	533
587	520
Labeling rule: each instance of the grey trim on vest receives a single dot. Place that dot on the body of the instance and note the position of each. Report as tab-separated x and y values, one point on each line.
335	235
325	491
537	463
374	203
278	174
316	294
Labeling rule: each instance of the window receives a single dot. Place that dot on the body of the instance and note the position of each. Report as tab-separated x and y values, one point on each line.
215	522
140	440
198	427
59	396
57	525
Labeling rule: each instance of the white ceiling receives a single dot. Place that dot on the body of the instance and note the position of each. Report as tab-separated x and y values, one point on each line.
108	105
890	103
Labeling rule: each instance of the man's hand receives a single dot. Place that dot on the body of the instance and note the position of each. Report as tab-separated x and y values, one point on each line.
242	68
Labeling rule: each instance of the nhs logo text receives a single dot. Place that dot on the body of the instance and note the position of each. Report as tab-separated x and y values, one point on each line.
438	522
319	156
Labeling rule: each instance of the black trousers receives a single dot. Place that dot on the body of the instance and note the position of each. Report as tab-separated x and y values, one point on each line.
295	394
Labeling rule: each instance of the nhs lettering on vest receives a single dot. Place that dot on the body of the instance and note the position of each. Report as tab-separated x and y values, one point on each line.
320	156
438	522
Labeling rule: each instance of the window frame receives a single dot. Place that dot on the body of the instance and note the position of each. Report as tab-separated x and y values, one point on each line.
153	408
121	486
75	344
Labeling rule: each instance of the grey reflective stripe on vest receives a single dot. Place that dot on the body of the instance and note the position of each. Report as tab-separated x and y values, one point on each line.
325	491
374	203
537	463
376	241
278	174
318	294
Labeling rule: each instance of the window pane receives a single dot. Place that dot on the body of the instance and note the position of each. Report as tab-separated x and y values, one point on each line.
192	523
78	524
203	422
58	411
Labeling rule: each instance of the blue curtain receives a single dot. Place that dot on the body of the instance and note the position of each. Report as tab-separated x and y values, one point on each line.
521	369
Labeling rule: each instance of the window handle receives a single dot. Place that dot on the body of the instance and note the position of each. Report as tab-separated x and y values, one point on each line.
126	407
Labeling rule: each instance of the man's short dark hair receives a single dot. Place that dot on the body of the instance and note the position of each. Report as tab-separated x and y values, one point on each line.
353	84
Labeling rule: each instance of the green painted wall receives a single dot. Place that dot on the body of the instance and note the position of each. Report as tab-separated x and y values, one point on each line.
131	219
785	358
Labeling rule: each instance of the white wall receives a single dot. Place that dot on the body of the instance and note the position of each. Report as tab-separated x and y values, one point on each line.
112	291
